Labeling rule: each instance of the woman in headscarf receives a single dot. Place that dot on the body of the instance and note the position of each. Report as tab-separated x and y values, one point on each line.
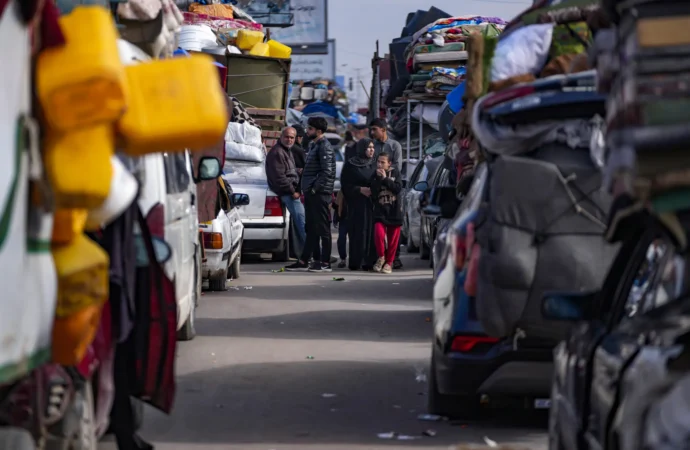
356	186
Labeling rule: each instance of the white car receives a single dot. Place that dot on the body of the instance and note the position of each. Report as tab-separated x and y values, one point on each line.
222	239
266	222
168	201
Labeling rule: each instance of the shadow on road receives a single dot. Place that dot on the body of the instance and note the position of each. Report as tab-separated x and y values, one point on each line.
284	403
355	325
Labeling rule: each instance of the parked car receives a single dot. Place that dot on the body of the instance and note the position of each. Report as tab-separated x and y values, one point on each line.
222	239
627	348
266	222
412	213
430	223
465	362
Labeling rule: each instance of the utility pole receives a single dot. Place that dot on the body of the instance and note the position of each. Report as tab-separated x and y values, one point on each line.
357	84
375	97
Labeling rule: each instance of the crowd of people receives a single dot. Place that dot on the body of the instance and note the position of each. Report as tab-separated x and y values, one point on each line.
368	209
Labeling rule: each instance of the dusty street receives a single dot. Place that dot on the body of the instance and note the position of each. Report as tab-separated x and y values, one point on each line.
301	361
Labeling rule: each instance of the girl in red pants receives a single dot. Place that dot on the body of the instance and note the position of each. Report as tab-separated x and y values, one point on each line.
386	185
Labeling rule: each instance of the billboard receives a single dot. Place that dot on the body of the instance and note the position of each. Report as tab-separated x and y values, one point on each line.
309	67
310	24
269	13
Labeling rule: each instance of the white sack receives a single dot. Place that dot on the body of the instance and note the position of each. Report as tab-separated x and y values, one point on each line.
243	133
523	51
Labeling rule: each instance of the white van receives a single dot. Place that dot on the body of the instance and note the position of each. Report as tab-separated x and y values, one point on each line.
168	202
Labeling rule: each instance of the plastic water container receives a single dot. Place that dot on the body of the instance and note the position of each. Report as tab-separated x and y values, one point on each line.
320	94
78	165
278	50
247	39
307	93
260	49
173	106
82	83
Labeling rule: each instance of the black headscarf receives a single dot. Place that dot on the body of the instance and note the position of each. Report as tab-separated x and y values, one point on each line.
361	159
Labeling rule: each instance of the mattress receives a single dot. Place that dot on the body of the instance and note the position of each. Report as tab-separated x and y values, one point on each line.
433	48
439	57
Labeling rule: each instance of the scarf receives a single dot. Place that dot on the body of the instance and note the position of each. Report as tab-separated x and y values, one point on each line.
361	159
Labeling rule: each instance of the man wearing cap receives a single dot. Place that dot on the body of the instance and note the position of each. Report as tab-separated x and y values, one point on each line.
318	179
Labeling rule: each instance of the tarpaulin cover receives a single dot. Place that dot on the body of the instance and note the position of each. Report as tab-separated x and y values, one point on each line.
534	240
320	108
243	142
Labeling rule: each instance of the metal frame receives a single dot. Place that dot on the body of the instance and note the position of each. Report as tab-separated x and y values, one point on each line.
408	103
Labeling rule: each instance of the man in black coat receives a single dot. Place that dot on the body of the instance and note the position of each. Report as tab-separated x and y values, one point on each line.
318	179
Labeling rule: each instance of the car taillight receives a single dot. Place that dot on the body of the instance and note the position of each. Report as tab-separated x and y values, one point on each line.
507	95
466	344
273	207
155	220
213	241
458	250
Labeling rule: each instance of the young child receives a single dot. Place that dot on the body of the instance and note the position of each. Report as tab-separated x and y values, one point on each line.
386	185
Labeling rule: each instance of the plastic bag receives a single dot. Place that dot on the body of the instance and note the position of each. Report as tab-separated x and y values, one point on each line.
523	51
243	152
243	133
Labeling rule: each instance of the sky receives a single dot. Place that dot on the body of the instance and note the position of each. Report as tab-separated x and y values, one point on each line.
357	24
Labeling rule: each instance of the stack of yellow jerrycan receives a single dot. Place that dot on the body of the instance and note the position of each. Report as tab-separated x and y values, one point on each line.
92	107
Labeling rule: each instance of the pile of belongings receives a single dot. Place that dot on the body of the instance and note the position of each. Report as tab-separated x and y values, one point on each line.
438	53
531	111
305	92
643	59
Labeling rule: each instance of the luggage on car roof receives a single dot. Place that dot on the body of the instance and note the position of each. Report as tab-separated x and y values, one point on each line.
540	230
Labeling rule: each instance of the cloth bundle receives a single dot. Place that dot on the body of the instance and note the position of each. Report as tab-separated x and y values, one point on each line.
644	66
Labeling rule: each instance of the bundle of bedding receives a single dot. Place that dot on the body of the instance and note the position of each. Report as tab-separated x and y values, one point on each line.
644	64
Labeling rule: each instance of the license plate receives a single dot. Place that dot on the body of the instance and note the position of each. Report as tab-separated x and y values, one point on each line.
542	403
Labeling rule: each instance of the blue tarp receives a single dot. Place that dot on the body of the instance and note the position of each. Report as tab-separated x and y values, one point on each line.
321	108
454	98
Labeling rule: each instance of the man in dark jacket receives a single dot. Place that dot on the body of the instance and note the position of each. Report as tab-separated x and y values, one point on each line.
283	179
318	179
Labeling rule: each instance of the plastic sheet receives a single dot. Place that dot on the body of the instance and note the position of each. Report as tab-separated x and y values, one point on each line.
243	143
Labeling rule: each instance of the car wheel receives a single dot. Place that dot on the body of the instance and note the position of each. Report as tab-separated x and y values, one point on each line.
16	439
454	406
235	267
188	330
424	250
219	284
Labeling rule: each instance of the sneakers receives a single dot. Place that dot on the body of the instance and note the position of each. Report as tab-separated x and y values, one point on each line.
378	265
299	266
320	267
397	264
342	264
387	269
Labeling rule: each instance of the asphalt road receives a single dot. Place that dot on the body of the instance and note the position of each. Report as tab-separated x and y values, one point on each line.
301	361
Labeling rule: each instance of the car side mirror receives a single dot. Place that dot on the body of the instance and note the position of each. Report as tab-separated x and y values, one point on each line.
209	169
568	306
161	249
239	200
421	186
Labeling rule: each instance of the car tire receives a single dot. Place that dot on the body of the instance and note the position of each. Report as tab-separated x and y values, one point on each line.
188	330
424	250
16	439
219	284
454	406
234	272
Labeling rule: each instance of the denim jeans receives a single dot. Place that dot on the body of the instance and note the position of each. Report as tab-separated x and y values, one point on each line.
296	210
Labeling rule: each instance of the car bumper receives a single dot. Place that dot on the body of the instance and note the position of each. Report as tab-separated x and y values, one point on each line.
507	372
214	266
264	237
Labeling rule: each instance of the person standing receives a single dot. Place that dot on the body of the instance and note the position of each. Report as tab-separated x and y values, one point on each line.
283	179
386	185
379	132
318	180
356	185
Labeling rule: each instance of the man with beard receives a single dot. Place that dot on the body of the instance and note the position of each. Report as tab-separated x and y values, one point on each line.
284	179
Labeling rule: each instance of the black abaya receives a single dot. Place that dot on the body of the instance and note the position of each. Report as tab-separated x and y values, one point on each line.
357	173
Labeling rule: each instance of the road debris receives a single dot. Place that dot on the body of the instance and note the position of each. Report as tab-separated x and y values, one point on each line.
490	442
420	378
396	283
428	319
309	357
338	279
429	417
248	288
234	288
282	269
429	433
328	395
389	435
405	437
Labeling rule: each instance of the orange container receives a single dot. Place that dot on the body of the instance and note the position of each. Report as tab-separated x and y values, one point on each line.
72	335
173	106
68	224
82	82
